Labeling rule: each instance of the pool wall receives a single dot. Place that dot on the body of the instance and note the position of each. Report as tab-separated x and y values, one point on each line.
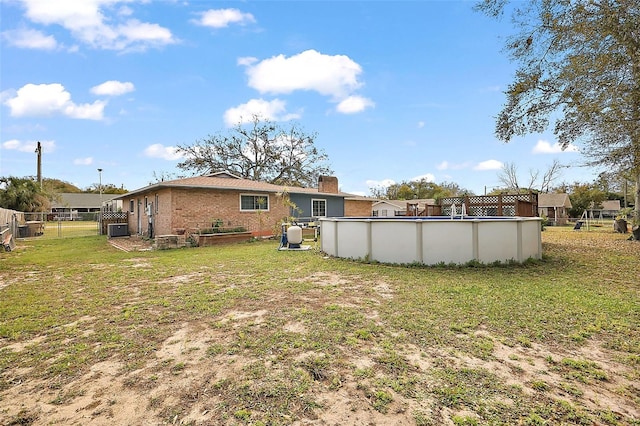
432	240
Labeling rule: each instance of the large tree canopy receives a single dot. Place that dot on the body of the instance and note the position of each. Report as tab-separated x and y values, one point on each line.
420	188
22	194
578	70
261	151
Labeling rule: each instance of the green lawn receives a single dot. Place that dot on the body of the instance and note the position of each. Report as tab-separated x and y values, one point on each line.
69	229
245	334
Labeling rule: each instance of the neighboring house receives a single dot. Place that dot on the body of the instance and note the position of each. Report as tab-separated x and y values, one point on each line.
401	207
196	203
75	205
420	207
555	207
611	208
384	208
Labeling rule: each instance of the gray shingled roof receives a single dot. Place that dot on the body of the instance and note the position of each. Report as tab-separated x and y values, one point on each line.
227	181
554	200
612	205
77	200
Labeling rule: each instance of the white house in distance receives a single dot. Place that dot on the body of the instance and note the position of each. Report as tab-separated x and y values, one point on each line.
72	205
390	208
384	208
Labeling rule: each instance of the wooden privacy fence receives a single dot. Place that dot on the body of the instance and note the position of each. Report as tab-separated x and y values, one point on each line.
6	216
11	219
524	205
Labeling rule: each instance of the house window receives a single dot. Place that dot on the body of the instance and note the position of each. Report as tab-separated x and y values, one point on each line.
254	202
132	205
318	208
156	203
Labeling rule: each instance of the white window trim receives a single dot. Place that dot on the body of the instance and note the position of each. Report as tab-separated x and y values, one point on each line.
254	195
324	200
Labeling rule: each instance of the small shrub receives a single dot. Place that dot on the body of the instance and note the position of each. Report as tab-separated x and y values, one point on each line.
242	414
535	420
540	385
464	421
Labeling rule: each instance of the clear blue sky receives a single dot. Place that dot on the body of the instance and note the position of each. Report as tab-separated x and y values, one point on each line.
395	90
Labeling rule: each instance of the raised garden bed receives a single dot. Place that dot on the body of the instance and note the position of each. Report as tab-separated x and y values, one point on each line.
205	240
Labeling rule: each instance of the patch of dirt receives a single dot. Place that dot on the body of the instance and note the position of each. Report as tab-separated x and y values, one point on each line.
183	375
132	243
185	378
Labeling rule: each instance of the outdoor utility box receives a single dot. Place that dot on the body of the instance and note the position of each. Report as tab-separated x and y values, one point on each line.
23	231
117	230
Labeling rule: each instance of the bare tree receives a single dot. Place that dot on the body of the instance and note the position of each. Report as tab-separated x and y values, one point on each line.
551	175
508	177
261	151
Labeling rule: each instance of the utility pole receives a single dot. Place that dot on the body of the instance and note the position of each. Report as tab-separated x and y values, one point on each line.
100	190
39	152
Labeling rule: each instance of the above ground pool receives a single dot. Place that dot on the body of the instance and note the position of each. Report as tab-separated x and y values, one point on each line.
433	240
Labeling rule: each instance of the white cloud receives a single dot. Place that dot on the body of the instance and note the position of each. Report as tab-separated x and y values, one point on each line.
113	88
445	165
83	161
384	183
488	165
247	60
136	31
98	23
420	124
221	18
274	110
125	11
50	99
427	177
335	76
545	147
30	39
354	104
160	151
28	146
491	89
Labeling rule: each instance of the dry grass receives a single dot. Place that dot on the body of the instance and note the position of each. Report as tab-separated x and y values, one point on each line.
245	334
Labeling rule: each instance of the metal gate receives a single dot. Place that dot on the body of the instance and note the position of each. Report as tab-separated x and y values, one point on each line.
44	225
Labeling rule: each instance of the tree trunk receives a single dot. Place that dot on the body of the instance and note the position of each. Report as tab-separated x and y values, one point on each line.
620	225
636	212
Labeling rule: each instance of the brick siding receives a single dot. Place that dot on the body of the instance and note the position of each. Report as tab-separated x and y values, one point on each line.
192	209
357	208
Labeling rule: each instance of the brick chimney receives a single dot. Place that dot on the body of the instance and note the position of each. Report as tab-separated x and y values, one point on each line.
328	184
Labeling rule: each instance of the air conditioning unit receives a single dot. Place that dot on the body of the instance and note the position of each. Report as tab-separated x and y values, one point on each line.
117	230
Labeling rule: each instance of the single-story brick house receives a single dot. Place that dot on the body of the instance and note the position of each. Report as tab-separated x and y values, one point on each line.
195	203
